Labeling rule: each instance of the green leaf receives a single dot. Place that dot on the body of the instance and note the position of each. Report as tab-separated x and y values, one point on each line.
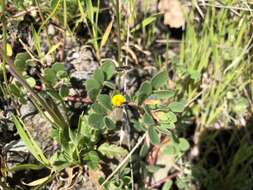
163	94
93	94
96	120
176	106
171	117
109	69
92	159
19	167
139	126
105	101
31	81
153	168
99	76
145	22
153	135
141	98
29	141
20	61
64	91
159	79
241	105
166	117
148	120
145	88
110	85
167	185
164	128
109	123
98	108
183	144
49	75
14	89
36	41
58	67
170	150
169	125
61	74
92	84
144	150
111	151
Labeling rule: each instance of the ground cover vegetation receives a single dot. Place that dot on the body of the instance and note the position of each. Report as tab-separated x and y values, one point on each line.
119	95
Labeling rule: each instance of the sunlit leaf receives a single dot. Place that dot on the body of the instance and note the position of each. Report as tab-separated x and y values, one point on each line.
111	151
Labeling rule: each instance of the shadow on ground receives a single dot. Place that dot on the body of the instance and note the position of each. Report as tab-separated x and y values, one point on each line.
226	159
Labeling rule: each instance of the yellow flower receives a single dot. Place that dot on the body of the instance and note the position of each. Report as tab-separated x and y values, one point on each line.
118	100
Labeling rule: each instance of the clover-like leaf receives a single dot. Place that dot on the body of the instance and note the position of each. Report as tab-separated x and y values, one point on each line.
109	69
159	79
154	137
92	84
96	120
111	151
92	159
145	88
176	106
105	101
31	81
20	61
109	123
64	91
163	94
167	185
50	75
99	76
98	108
183	144
58	67
93	94
148	120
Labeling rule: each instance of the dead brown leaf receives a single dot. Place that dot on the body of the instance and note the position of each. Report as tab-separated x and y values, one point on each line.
174	13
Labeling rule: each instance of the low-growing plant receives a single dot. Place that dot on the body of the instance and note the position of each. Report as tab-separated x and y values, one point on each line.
153	101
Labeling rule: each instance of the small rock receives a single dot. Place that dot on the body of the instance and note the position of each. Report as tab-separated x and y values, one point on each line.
27	110
51	30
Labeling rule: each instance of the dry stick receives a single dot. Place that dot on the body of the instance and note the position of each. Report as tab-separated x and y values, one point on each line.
125	159
228	7
160	182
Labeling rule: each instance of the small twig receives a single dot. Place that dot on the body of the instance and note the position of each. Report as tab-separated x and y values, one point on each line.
228	7
125	160
28	51
19	14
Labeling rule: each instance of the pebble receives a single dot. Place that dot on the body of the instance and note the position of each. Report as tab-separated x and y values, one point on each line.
51	30
27	109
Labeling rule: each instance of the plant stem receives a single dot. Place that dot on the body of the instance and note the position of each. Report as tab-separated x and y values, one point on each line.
4	41
125	160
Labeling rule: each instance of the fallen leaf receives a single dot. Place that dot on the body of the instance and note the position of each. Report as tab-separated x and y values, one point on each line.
174	13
